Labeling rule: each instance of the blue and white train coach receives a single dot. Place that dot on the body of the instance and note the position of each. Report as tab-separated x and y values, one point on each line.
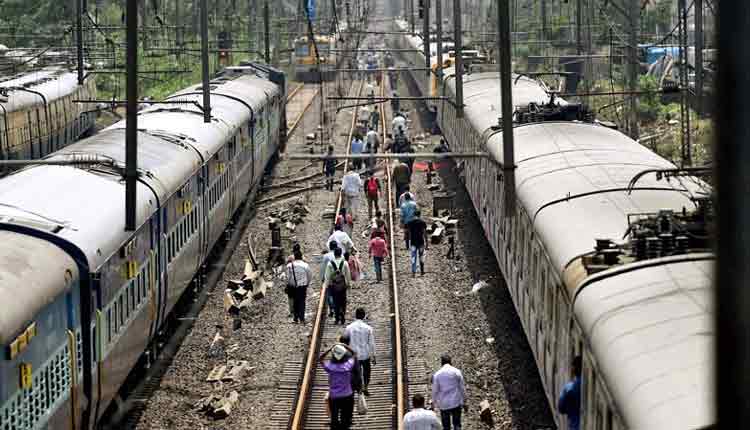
66	262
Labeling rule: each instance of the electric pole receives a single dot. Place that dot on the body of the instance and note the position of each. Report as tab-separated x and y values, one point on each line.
266	35
699	54
459	61
131	113
506	101
426	34
634	11
439	22
204	63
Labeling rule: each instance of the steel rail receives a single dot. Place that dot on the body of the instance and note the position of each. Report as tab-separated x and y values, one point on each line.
312	353
400	383
296	122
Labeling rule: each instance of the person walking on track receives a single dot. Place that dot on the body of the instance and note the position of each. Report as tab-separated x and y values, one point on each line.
338	279
345	220
327	259
417	242
298	278
375	118
378	250
351	186
363	343
408	210
356	149
401	178
372	192
407	192
419	418
342	239
342	382
329	168
448	393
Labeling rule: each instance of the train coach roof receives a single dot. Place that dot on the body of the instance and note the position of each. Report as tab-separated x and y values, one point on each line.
651	332
85	208
482	96
21	258
572	179
53	83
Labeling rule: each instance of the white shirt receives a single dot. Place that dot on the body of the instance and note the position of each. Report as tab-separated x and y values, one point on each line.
372	137
300	271
342	239
351	183
448	388
399	121
421	419
362	340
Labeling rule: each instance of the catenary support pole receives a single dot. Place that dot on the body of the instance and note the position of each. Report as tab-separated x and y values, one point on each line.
634	13
439	28
131	112
426	36
699	54
458	37
503	47
204	62
79	41
266	33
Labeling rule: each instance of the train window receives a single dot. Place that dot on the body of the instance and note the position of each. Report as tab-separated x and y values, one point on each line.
109	325
121	310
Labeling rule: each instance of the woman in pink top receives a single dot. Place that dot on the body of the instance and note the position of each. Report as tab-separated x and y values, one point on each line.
378	251
353	262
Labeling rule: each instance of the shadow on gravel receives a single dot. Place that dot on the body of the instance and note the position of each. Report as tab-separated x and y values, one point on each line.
520	378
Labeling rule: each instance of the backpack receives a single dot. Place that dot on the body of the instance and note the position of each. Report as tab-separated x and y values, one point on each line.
338	280
372	188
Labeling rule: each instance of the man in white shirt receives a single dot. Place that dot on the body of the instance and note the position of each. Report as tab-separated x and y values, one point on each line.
342	239
399	122
351	185
420	418
362	341
448	393
298	278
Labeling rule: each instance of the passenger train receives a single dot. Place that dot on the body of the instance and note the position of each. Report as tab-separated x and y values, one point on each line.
599	265
82	298
38	115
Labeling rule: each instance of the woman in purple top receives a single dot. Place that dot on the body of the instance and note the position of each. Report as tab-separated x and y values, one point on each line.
342	382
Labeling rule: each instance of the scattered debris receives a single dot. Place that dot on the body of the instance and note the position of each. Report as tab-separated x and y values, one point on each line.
260	292
218	407
216	348
216	373
485	413
478	286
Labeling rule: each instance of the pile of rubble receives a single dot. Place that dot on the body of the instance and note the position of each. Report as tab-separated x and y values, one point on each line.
290	217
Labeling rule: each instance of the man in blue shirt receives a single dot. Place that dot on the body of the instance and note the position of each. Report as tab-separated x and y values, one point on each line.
408	212
356	148
570	398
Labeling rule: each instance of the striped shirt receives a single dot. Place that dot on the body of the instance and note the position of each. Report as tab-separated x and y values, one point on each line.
421	419
362	340
298	273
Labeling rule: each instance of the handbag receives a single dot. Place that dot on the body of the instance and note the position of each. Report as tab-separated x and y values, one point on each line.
361	404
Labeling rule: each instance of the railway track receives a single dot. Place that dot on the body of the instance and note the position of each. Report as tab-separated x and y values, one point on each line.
304	383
